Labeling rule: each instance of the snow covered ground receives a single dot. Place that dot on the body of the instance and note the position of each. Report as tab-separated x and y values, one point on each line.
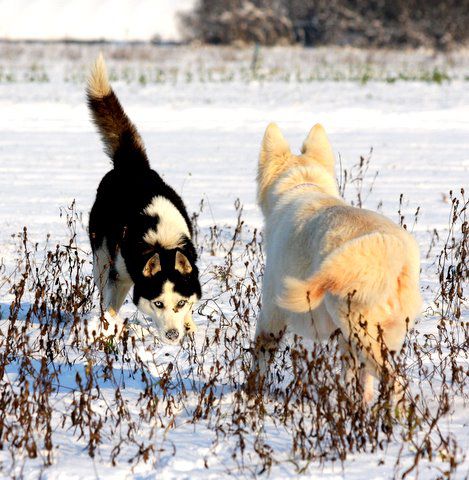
204	137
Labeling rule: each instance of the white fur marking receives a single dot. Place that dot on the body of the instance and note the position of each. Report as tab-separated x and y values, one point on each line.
121	268
170	316
171	226
112	293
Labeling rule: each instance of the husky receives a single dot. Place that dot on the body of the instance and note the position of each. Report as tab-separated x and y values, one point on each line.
329	265
139	230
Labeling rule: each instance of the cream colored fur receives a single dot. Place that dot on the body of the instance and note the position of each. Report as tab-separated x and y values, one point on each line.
98	82
329	265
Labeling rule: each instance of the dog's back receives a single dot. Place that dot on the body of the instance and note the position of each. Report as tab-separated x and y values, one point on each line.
361	259
357	251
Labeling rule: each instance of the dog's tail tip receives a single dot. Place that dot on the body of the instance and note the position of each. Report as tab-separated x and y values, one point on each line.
98	82
120	137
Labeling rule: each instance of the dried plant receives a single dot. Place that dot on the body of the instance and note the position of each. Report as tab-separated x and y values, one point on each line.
58	375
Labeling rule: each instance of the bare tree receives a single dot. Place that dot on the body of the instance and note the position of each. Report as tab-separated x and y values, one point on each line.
433	23
243	21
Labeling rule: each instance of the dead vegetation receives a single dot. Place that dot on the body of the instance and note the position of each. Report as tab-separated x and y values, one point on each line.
379	23
122	399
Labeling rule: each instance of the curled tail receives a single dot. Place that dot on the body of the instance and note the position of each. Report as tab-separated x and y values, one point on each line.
368	267
120	137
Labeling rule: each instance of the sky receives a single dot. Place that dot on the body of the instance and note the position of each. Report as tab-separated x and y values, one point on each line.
122	20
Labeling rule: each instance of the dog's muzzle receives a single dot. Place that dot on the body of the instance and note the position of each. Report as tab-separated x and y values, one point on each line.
172	334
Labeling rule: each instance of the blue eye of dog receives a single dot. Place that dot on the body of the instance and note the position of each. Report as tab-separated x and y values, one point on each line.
158	304
181	303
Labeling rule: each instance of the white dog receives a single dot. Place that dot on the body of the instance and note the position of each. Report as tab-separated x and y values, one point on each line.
329	265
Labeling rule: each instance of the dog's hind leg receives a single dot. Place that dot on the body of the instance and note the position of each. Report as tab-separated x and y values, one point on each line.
367	381
113	287
352	371
101	269
116	292
269	332
370	339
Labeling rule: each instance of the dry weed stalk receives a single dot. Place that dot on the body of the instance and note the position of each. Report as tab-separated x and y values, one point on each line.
57	376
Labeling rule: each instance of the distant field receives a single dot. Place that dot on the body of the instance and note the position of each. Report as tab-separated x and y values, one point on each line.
150	64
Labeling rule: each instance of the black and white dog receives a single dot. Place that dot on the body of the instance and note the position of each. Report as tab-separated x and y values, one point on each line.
139	229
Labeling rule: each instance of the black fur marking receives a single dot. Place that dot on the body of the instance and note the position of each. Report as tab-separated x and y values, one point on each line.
185	285
117	215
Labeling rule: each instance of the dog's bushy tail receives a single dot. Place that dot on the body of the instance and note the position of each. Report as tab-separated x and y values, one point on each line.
367	268
121	140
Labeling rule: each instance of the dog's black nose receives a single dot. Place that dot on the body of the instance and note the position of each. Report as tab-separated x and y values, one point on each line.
172	334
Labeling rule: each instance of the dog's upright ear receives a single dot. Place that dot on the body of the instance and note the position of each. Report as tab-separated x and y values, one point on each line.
274	145
318	148
182	264
273	160
152	267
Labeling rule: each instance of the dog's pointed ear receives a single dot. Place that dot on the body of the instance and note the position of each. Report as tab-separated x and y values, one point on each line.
317	147
153	266
273	144
182	264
